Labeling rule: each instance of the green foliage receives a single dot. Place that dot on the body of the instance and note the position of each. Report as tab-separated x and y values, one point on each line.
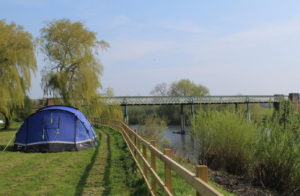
173	111
110	111
137	113
73	70
131	171
153	127
256	110
26	110
278	155
100	108
185	87
113	111
267	150
17	61
223	140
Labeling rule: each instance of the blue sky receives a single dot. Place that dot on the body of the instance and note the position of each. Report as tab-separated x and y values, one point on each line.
231	47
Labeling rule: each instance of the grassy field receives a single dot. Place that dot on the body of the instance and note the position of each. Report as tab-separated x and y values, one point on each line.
106	170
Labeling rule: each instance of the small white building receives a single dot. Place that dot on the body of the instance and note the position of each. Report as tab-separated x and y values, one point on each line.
1	121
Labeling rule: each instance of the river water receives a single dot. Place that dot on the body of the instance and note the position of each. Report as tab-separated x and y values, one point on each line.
181	141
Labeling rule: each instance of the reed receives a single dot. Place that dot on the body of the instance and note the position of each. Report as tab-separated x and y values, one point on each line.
267	150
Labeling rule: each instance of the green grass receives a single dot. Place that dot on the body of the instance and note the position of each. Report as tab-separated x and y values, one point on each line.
106	170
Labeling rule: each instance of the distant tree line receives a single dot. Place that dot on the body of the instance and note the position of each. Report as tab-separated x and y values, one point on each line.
185	87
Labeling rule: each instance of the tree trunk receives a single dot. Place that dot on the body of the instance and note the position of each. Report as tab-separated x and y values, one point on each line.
7	122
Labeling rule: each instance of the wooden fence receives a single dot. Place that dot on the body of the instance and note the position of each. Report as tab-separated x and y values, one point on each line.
135	140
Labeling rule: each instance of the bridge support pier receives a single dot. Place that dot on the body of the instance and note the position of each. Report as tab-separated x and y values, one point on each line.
248	113
277	98
182	121
126	117
236	107
294	97
192	113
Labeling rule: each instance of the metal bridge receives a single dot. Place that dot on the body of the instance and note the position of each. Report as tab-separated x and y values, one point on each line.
192	100
185	100
178	100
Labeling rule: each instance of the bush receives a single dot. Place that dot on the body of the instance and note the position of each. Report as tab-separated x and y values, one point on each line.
153	127
268	151
278	155
223	140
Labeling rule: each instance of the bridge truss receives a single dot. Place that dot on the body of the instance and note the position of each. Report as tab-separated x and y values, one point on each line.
184	100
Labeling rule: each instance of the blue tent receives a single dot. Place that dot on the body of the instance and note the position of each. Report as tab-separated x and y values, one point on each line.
55	129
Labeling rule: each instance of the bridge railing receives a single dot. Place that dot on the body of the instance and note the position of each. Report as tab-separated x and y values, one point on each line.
134	142
174	100
186	100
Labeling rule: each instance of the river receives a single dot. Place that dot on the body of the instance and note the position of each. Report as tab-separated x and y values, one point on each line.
181	141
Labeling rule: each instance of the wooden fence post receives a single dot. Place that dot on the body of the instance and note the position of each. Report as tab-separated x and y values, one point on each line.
153	165
145	156
139	149
135	143
202	173
168	174
130	136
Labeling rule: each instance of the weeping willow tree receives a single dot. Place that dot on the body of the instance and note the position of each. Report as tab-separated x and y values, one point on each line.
111	110
73	71
17	61
106	109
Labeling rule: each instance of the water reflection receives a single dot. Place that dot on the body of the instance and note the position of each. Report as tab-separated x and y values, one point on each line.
181	141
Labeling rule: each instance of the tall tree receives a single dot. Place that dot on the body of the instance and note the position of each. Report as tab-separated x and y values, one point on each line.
160	90
102	108
185	87
24	112
17	61
73	70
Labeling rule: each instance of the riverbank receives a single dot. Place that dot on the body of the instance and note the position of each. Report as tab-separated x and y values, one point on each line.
227	184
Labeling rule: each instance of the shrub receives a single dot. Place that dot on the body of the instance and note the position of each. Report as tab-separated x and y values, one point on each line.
278	156
268	152
154	128
223	140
